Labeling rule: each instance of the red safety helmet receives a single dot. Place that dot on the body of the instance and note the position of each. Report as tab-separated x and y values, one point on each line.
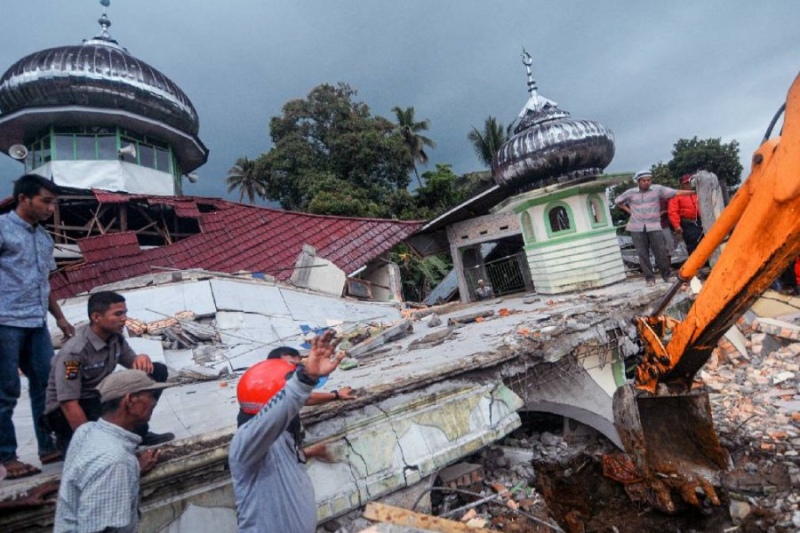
261	382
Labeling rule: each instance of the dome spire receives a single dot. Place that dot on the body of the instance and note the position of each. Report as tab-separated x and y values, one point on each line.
527	60
536	103
105	23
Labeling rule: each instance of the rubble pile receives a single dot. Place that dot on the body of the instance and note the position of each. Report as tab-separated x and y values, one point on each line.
756	405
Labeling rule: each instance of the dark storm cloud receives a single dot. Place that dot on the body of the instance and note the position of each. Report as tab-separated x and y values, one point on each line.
653	72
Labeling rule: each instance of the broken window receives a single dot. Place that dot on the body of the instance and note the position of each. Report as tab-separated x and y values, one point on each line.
597	213
559	219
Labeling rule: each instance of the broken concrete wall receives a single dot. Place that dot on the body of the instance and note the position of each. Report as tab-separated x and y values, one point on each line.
318	274
385	280
376	450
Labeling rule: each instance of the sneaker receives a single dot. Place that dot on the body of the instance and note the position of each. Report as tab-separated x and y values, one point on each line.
151	439
651	283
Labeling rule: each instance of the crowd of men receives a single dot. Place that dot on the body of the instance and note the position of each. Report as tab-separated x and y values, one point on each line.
96	419
653	209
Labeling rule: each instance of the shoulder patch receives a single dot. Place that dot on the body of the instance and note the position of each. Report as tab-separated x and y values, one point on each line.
72	369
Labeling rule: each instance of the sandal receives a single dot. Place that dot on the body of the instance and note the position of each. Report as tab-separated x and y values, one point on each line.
16	469
51	457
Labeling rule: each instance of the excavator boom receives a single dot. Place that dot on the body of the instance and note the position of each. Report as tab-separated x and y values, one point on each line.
664	419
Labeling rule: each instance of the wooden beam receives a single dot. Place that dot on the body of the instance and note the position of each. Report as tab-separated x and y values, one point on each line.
379	512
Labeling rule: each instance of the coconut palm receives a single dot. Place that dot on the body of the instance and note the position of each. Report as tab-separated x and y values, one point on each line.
414	140
486	143
244	175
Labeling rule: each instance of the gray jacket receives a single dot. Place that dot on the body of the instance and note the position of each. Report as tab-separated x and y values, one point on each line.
273	491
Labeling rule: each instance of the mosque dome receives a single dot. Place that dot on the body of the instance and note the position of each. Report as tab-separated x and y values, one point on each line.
548	145
97	89
99	74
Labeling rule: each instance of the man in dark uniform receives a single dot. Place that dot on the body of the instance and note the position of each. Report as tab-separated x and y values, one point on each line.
83	362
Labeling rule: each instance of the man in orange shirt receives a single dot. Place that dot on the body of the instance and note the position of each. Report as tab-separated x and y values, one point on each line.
684	215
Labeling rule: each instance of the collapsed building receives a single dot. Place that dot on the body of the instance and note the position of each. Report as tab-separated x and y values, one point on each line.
213	285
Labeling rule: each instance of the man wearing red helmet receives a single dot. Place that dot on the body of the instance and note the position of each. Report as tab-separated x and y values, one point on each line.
684	215
273	491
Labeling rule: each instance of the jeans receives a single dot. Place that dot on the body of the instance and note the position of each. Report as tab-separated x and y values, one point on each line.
30	350
643	241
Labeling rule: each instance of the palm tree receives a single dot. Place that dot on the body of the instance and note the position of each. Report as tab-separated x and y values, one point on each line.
244	175
486	143
414	140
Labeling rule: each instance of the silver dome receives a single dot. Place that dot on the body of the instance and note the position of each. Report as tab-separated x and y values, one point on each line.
96	74
548	145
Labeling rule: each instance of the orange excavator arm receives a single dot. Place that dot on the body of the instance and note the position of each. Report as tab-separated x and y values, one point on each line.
664	418
762	222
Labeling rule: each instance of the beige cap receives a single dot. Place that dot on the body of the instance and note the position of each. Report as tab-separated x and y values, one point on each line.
118	384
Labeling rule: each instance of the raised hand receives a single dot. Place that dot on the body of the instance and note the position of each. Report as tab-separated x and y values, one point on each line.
323	358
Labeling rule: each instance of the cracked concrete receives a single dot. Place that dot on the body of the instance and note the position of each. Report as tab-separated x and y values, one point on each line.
419	411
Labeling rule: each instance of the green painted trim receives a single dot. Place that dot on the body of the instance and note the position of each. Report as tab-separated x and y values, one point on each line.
571	238
528	235
583	188
570	218
601	206
618	369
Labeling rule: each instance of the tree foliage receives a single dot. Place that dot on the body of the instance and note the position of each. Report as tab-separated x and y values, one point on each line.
414	140
331	155
487	142
691	155
244	176
420	275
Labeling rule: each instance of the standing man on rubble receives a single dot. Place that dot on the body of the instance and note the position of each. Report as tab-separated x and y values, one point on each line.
272	488
83	362
643	204
26	260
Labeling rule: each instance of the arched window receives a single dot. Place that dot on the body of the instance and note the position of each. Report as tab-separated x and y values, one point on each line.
597	211
559	219
527	228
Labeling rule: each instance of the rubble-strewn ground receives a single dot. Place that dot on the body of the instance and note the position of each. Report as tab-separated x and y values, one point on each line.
755	398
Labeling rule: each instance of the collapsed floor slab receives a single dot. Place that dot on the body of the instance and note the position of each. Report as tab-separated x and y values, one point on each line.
396	431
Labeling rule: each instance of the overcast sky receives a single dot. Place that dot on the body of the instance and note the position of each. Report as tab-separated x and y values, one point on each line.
654	72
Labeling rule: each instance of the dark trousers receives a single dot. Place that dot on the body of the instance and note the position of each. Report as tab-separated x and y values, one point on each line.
29	350
644	241
58	424
692	233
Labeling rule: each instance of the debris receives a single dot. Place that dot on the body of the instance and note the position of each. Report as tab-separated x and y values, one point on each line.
378	512
201	373
466	319
397	331
433	339
348	363
461	475
434	321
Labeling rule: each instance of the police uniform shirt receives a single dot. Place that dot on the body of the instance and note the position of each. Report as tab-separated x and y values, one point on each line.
81	365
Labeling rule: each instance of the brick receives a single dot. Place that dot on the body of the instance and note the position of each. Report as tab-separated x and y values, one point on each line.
779	328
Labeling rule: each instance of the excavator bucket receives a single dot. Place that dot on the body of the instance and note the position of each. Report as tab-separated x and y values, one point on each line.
672	441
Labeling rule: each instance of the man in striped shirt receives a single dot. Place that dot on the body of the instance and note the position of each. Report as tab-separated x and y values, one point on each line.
643	204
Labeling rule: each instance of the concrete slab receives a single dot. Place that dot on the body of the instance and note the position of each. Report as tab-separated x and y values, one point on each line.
154	303
418	409
150	347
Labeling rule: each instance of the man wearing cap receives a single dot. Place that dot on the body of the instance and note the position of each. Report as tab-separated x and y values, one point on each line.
483	292
99	488
684	215
82	363
643	204
273	491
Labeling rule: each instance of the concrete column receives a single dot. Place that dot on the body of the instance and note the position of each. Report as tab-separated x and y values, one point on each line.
458	266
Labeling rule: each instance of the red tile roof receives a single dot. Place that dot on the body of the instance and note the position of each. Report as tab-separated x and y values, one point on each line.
232	237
